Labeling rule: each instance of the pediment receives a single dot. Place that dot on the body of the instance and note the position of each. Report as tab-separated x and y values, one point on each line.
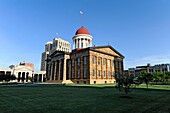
109	50
23	68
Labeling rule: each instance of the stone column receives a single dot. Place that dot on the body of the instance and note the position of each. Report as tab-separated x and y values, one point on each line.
42	78
59	67
64	71
79	43
83	43
90	43
55	69
86	43
38	76
51	70
76	43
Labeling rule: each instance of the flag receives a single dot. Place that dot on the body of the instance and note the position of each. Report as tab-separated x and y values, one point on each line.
81	12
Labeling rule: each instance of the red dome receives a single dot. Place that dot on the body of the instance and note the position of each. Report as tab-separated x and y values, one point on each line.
82	30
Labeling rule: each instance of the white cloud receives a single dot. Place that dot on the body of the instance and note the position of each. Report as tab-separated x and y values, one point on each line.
157	59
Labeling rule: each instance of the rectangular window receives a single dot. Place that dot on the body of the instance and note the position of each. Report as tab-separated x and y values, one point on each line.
108	74
108	62
85	60
113	74
78	73
112	63
98	73
93	59
72	62
85	73
94	73
99	58
104	61
104	73
78	61
72	76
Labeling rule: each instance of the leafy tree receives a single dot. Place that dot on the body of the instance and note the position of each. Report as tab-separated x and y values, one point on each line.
167	76
124	83
145	77
162	76
156	77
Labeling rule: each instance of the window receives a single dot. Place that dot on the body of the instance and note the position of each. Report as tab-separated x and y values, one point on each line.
72	62
104	61
78	61
78	73
93	59
104	73
108	74
85	73
108	62
113	74
98	73
94	73
77	82
99	60
105	82
112	63
84	82
94	82
85	60
72	76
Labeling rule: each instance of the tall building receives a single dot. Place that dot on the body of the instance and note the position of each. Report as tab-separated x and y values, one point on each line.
48	47
84	64
58	44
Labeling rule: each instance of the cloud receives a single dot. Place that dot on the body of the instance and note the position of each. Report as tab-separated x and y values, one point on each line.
157	59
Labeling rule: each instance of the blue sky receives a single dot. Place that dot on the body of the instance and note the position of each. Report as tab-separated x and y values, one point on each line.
139	29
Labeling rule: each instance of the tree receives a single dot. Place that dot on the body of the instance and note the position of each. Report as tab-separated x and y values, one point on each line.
156	77
124	83
162	76
167	76
145	77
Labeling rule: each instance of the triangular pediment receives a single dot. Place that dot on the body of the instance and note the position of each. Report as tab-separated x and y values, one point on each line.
57	53
108	49
23	68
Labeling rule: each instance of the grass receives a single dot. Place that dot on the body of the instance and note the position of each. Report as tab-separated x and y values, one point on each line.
83	99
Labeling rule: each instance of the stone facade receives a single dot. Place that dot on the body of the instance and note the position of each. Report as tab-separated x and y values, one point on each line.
92	65
84	64
22	72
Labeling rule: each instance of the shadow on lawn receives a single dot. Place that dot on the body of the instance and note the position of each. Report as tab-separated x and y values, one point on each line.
111	87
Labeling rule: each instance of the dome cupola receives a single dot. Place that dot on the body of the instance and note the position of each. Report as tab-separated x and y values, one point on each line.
82	38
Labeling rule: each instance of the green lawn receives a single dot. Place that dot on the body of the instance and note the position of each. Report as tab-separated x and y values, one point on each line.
83	99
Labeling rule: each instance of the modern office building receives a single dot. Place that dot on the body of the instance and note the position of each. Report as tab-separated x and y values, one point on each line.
44	55
57	44
85	64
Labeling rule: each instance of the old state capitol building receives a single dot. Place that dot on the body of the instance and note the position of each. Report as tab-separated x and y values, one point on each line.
85	64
